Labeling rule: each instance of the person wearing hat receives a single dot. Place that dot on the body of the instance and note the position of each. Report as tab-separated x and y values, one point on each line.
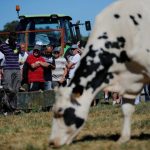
69	53
49	58
73	62
67	47
36	64
60	72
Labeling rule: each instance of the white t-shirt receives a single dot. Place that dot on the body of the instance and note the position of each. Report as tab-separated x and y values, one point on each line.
22	59
58	72
2	59
75	59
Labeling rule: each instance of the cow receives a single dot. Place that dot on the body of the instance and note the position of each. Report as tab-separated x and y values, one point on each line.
116	58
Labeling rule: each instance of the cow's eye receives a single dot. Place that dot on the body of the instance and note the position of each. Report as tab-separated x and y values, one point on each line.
60	110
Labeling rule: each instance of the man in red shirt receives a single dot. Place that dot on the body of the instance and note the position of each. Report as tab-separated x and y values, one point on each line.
36	65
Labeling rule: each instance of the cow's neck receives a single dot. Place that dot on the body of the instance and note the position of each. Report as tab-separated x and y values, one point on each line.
82	95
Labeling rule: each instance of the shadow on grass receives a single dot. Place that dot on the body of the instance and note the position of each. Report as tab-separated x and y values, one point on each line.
114	137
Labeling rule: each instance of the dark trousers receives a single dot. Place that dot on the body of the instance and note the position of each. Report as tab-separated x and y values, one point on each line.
35	86
147	92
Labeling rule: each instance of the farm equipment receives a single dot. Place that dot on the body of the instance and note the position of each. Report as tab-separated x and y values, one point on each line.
57	29
51	28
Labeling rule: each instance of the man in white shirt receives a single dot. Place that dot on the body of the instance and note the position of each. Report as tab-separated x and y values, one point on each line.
22	55
73	63
60	72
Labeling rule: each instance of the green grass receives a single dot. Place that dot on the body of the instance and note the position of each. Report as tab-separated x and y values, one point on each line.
30	131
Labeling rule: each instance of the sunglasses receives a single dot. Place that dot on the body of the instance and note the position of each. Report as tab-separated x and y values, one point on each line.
36	51
56	52
73	48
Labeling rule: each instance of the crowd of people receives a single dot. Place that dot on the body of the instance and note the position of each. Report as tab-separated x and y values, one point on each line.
43	68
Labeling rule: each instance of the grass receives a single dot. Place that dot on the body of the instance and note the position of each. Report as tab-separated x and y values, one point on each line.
30	131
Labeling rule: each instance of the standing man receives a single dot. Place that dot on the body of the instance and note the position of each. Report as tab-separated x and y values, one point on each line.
36	64
60	72
11	69
2	60
22	55
12	75
73	62
22	59
47	55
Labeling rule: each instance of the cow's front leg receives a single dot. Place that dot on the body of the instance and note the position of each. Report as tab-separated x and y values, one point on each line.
127	108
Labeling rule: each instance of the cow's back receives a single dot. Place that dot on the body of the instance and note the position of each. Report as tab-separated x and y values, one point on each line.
122	30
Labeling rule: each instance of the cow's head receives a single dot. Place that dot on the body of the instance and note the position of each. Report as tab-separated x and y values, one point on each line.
66	121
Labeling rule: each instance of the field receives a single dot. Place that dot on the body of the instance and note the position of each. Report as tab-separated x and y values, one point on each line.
30	131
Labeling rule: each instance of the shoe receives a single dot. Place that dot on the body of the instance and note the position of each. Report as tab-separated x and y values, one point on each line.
114	102
5	113
17	112
21	89
106	100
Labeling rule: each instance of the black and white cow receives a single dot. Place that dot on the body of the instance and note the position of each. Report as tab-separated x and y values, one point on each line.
116	58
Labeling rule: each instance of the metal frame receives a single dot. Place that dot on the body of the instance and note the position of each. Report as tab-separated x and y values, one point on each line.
61	30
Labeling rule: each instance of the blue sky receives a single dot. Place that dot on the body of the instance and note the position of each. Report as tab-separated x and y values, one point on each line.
78	9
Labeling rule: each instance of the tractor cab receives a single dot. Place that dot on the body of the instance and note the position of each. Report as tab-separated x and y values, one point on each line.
50	28
45	29
56	29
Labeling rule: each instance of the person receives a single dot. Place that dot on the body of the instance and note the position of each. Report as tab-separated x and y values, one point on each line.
73	61
47	55
60	72
137	100
68	51
107	95
22	59
36	64
22	55
67	47
2	60
11	69
12	76
82	43
147	92
116	98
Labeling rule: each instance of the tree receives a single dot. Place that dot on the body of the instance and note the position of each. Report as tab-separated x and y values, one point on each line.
11	26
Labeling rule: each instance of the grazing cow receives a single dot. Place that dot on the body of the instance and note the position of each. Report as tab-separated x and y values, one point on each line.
116	58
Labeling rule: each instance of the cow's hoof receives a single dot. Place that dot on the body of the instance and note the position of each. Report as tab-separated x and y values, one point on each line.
123	139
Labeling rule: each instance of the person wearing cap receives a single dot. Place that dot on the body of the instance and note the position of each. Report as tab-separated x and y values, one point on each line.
36	65
73	62
69	53
49	58
67	47
60	72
